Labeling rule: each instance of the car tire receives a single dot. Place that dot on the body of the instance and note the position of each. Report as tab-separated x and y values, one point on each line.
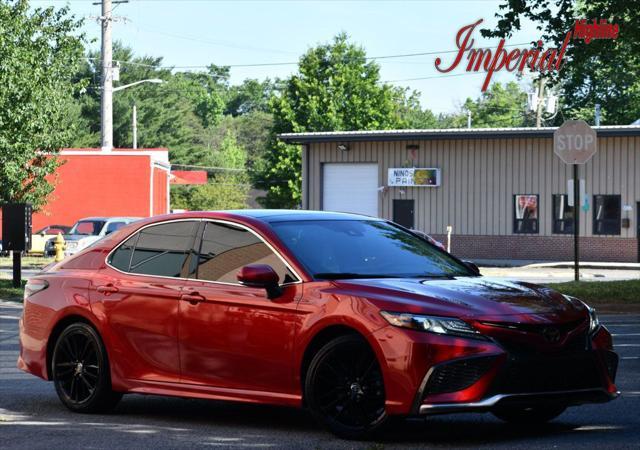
529	415
344	388
80	371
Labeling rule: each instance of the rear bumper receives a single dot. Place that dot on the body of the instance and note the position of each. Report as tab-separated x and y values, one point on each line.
568	398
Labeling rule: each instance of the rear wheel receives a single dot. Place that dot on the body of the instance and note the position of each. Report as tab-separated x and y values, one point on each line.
344	388
80	371
529	415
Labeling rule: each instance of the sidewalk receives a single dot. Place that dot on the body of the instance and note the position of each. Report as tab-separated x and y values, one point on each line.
521	263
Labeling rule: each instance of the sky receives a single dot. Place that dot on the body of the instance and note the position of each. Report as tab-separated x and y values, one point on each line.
202	32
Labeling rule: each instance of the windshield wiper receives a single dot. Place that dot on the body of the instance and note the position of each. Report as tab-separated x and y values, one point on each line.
349	275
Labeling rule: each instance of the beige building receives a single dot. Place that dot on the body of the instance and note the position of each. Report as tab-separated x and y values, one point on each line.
502	190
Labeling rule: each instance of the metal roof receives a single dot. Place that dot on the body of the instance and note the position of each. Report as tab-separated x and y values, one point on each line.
448	133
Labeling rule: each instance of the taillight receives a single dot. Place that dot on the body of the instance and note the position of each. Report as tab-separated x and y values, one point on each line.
34	286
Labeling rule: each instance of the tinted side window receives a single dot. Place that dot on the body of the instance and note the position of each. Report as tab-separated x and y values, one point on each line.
121	258
163	249
225	249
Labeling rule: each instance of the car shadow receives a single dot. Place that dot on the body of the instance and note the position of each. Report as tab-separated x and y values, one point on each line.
478	428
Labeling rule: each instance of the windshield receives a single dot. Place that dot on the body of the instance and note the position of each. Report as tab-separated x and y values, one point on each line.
88	227
333	249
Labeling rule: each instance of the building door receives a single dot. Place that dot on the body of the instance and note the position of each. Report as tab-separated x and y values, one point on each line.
403	213
350	187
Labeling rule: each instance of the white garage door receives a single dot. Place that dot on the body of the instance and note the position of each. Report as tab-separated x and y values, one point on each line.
351	188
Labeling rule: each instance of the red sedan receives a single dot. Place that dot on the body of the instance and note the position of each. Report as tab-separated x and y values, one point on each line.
358	319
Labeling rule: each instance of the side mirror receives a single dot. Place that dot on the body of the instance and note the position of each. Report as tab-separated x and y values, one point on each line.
472	266
260	276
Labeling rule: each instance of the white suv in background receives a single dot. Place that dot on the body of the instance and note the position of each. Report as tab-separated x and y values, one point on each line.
87	231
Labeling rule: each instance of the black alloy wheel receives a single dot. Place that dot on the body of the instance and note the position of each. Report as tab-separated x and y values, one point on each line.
80	371
344	388
529	415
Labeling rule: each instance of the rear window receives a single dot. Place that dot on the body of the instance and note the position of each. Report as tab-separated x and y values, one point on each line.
159	250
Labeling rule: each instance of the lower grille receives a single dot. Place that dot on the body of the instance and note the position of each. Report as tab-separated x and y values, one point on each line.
457	375
548	375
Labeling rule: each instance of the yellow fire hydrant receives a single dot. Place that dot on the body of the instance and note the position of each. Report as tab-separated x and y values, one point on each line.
59	246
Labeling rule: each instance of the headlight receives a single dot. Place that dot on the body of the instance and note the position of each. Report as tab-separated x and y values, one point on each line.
594	322
432	324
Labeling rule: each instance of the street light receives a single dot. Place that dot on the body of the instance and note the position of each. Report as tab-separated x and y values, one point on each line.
134	118
151	80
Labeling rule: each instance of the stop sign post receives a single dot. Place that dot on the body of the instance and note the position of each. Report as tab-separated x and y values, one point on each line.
575	142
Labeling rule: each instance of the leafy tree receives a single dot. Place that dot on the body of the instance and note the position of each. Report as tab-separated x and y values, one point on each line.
336	89
226	189
40	51
604	71
250	96
252	130
411	114
500	106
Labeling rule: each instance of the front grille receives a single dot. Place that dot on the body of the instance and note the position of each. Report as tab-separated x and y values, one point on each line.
457	375
548	374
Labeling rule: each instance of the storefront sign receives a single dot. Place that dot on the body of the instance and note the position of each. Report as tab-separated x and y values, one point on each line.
411	176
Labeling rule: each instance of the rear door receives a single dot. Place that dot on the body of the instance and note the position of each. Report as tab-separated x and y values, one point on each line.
138	294
233	336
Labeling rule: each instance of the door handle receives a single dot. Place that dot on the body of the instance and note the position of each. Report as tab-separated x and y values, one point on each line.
193	297
107	289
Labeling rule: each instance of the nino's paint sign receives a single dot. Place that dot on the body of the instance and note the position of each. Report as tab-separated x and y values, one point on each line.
412	176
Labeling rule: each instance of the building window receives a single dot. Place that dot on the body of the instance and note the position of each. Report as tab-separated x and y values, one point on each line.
525	210
562	215
606	214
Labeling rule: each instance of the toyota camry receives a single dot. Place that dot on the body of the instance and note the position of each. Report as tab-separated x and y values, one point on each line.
354	318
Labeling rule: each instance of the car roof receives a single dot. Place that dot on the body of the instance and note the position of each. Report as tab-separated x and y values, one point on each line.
285	215
107	219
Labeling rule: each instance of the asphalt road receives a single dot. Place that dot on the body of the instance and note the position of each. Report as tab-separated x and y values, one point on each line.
32	417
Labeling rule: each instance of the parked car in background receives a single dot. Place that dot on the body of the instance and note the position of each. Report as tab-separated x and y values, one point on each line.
353	317
87	231
39	238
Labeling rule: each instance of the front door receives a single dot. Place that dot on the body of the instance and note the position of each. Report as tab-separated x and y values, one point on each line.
403	213
233	336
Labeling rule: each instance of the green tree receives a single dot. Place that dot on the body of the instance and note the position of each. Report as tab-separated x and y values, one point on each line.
226	189
40	51
410	112
604	71
500	106
336	88
250	96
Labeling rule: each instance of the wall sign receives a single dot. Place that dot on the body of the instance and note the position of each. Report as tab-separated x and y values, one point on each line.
411	176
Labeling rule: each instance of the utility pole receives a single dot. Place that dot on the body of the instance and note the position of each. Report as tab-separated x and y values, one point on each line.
597	114
468	118
135	126
540	103
106	129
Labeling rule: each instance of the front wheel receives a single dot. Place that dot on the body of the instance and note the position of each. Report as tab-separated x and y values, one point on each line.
80	371
344	388
529	415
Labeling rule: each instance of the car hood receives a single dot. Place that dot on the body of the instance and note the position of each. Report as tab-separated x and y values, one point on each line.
476	298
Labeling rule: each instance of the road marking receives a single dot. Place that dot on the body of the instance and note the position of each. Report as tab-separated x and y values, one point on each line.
630	357
627	345
625	334
10	317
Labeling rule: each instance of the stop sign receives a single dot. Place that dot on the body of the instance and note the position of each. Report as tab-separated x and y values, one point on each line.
575	142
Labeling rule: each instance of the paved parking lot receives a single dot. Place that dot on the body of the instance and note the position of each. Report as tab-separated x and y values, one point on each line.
31	416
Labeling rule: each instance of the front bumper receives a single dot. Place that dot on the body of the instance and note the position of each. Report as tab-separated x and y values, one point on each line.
581	371
568	398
